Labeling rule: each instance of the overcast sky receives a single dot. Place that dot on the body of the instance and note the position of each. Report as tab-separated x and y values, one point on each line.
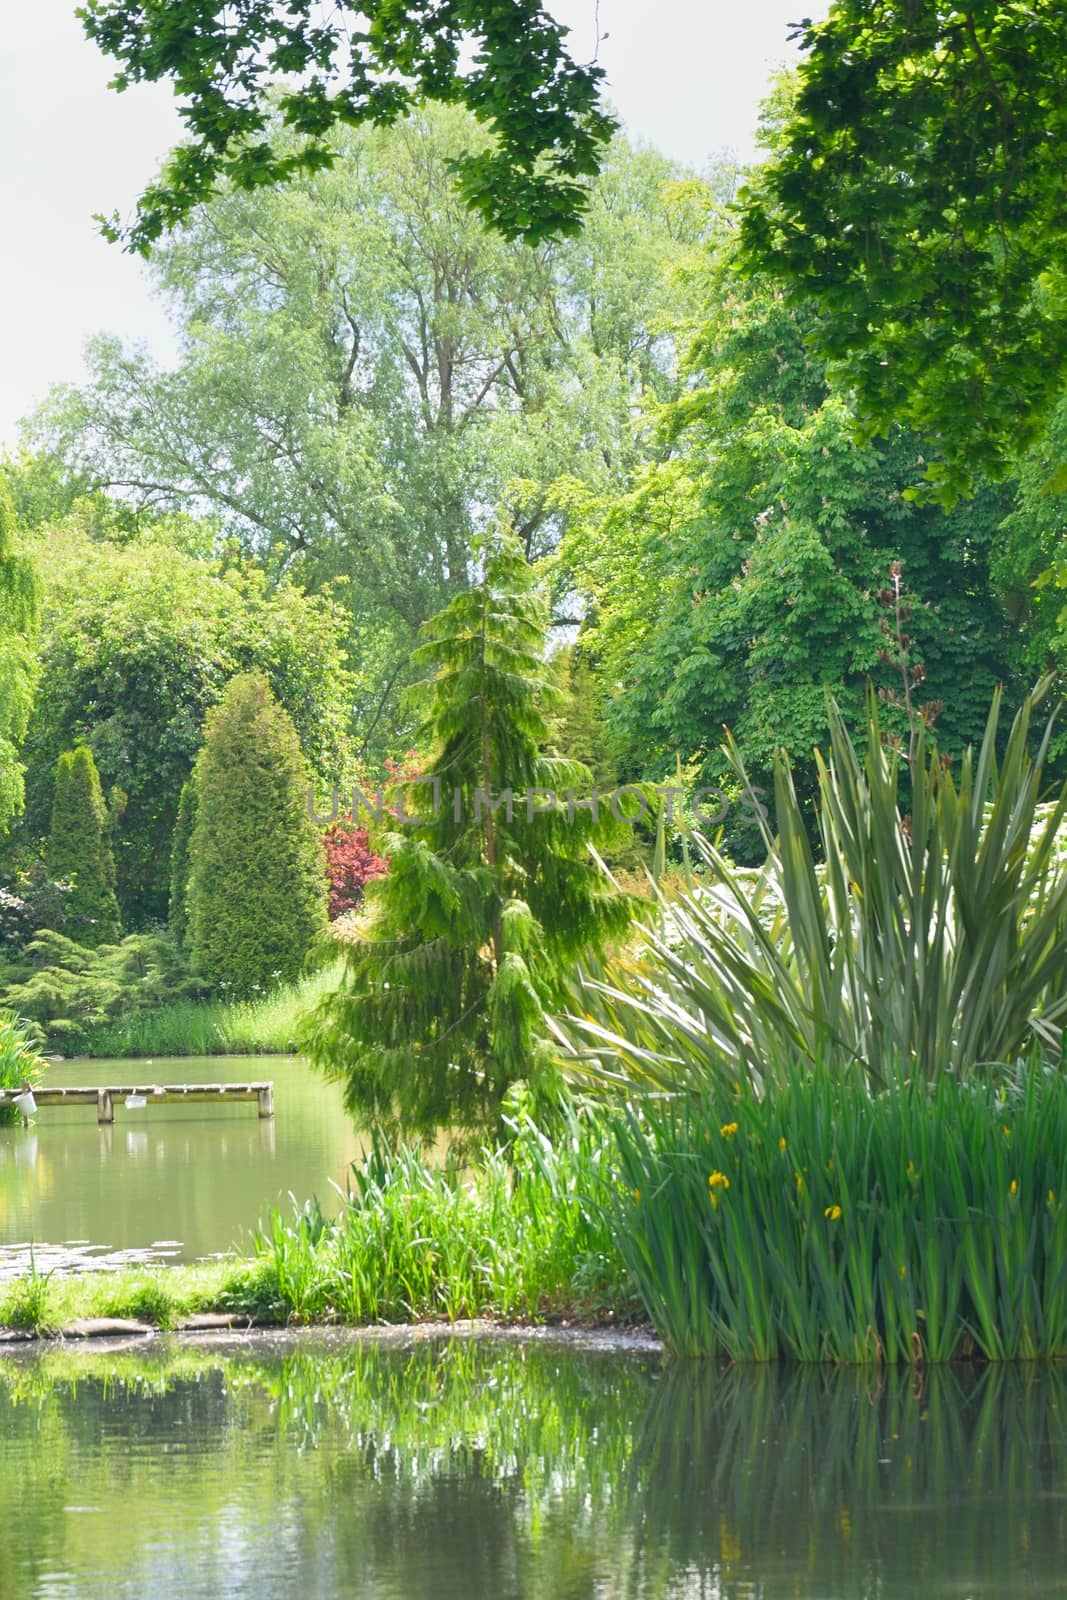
686	75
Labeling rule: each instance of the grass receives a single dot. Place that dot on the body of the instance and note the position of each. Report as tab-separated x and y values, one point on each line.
267	1026
823	1223
43	1303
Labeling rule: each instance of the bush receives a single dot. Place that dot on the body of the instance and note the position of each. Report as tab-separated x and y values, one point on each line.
932	940
70	990
350	864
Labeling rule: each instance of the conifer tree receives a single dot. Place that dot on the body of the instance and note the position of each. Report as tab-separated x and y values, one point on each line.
19	609
178	912
79	850
257	878
490	897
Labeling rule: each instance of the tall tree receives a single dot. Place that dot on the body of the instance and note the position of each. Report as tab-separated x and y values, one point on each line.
367	372
737	580
489	899
257	879
79	850
19	607
362	63
916	192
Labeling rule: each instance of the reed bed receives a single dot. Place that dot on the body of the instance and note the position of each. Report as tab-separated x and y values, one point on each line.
522	1235
826	1223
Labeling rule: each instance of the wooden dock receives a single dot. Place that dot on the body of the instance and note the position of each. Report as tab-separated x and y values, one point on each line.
153	1094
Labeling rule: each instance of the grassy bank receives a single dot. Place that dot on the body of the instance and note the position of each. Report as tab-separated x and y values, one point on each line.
523	1238
213	1028
819	1223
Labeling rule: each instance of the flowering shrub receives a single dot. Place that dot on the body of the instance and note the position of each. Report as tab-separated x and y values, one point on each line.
350	864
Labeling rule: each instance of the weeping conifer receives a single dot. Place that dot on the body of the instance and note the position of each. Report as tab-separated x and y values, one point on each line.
467	940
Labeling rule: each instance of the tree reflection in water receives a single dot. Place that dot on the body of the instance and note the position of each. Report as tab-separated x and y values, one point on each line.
457	1468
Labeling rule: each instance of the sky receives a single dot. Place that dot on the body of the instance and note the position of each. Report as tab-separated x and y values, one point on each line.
685	75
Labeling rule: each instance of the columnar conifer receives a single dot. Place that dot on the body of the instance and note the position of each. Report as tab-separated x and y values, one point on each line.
79	850
19	605
257	880
468	939
178	914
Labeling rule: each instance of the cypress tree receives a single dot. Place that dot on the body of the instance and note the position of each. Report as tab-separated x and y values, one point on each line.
468	938
257	878
79	849
178	912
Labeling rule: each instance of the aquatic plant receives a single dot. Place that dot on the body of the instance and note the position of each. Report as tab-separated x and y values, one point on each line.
20	1061
825	1223
521	1234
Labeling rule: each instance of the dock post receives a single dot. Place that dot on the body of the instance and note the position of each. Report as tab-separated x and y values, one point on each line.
266	1101
105	1111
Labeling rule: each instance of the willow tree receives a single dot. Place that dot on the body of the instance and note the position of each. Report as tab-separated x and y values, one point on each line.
492	892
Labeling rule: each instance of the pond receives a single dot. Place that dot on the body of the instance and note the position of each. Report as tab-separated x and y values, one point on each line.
198	1176
330	1467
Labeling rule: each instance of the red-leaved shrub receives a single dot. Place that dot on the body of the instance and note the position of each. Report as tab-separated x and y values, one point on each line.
350	863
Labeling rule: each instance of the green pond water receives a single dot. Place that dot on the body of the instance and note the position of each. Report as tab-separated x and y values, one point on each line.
199	1176
456	1470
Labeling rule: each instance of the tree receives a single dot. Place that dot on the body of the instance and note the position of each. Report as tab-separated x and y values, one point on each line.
257	882
19	609
79	850
736	582
139	636
178	909
353	64
368	372
916	192
491	896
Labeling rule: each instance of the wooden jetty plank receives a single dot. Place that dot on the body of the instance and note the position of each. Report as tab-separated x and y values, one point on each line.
104	1096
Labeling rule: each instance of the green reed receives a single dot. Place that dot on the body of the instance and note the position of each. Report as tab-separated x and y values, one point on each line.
824	1222
520	1234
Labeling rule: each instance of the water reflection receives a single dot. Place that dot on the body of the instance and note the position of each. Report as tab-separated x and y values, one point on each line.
200	1174
460	1470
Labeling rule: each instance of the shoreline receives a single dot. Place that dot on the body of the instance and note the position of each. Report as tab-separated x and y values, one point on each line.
234	1331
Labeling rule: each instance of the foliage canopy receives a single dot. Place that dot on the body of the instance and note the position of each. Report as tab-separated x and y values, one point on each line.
361	63
19	609
916	192
139	637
